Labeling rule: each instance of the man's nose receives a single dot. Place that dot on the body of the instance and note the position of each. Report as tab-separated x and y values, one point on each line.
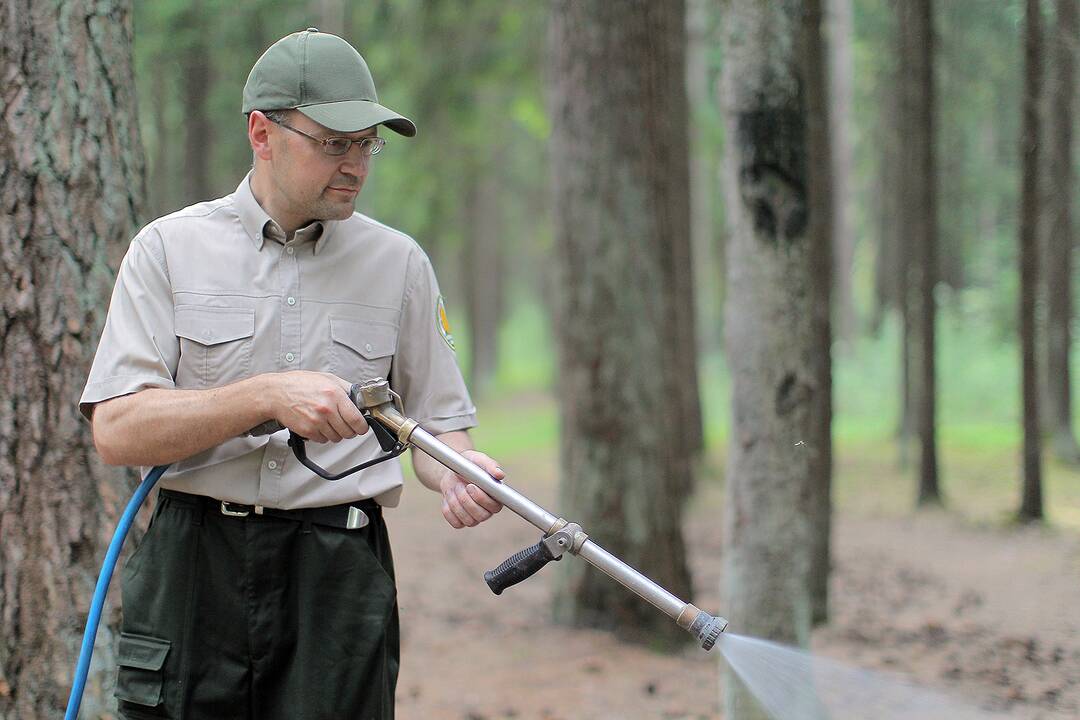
355	163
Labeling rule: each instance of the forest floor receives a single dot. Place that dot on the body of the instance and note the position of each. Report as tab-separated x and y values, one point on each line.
988	613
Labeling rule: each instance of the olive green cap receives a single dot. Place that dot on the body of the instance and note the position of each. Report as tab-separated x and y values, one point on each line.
324	77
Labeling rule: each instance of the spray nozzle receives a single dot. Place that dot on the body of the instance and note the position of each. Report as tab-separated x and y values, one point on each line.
701	625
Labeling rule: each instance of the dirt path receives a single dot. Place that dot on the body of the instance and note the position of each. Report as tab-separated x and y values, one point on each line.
990	615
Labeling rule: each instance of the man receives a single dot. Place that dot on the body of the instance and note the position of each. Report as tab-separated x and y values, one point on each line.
252	595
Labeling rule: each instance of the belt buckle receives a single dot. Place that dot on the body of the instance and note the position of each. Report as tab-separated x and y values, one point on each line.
233	513
356	519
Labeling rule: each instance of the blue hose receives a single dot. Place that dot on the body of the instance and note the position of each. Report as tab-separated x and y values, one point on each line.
102	589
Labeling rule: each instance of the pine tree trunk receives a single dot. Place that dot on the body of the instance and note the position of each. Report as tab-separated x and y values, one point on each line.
673	216
1031	503
621	182
889	262
198	130
483	285
821	198
773	349
926	261
892	274
71	179
919	193
330	15
839	37
1059	231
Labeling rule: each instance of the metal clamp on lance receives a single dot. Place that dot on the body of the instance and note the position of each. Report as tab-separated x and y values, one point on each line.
564	537
376	400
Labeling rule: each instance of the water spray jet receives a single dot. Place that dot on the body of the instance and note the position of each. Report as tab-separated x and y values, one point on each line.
792	684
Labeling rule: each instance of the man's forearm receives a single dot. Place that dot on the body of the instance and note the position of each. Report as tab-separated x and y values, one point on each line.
429	471
157	427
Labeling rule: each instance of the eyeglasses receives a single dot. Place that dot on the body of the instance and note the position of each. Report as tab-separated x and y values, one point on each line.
338	146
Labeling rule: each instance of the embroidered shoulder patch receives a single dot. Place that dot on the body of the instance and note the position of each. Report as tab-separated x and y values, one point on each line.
444	323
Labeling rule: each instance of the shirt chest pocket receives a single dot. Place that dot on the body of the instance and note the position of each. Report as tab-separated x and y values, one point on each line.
361	349
215	344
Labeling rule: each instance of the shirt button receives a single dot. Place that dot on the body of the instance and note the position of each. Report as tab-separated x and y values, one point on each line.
291	301
368	347
289	357
289	251
272	465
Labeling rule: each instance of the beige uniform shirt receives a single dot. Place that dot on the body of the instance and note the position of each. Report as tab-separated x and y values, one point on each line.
213	294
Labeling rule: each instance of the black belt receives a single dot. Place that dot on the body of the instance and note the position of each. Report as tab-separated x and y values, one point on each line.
348	516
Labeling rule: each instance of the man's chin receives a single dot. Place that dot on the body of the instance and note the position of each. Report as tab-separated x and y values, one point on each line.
344	212
340	210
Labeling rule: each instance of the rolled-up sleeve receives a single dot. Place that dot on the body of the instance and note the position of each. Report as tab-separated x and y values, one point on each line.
425	371
138	348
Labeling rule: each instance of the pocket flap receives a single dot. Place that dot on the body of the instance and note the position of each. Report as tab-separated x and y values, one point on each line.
142	651
140	687
213	325
371	338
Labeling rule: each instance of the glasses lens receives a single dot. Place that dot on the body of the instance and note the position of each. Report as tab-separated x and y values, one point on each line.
336	146
372	146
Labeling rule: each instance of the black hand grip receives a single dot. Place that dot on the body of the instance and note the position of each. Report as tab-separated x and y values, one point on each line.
267	428
519	567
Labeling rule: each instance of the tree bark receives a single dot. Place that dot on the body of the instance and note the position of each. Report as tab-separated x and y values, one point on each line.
919	193
1059	231
71	179
198	129
1031	503
331	16
484	263
839	34
771	333
620	187
890	274
823	200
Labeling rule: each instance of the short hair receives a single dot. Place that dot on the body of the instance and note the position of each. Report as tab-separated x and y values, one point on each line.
276	116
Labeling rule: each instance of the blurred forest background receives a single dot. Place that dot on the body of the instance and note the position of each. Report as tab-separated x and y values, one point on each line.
474	187
866	275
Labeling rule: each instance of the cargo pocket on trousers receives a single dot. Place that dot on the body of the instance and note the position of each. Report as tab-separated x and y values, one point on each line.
140	681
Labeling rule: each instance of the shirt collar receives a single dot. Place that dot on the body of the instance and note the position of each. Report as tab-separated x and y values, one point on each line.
254	221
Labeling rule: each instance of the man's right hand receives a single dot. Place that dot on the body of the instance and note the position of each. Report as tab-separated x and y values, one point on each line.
315	405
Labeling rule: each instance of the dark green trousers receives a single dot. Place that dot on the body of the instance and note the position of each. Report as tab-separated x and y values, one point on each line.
257	618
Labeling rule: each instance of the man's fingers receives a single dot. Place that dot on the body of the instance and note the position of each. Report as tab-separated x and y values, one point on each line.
488	503
338	427
353	418
350	414
315	435
463	517
489	465
476	513
450	516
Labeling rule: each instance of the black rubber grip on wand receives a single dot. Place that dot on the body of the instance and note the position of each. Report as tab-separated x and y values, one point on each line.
267	428
520	566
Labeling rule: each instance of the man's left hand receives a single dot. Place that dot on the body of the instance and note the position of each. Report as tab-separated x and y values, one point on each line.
464	504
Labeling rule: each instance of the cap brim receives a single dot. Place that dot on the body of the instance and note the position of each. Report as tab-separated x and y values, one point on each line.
356	115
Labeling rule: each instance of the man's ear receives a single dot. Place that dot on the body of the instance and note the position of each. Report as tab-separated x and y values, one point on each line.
259	135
